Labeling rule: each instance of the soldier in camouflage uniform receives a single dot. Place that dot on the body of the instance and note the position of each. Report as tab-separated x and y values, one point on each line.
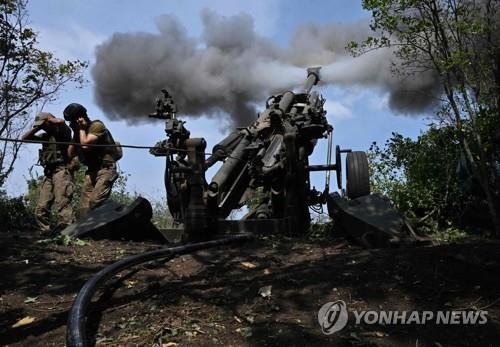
100	161
57	186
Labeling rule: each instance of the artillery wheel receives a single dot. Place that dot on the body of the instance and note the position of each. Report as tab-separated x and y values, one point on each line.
357	175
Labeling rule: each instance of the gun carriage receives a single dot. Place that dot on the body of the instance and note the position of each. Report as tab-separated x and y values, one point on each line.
264	166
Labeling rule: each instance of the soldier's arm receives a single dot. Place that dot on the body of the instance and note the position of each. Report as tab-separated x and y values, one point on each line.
87	139
92	134
31	134
55	120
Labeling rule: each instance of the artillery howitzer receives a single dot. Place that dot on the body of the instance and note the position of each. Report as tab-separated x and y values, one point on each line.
266	167
267	162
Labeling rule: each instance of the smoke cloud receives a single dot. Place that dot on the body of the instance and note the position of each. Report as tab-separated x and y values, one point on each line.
230	68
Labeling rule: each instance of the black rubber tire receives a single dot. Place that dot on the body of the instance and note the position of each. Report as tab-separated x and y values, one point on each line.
357	175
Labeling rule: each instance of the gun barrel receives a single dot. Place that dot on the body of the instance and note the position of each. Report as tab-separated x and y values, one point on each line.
312	78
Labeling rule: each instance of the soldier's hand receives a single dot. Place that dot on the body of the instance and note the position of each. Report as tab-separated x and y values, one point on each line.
44	122
82	124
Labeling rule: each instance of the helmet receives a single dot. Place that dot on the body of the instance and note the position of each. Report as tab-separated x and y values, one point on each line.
73	111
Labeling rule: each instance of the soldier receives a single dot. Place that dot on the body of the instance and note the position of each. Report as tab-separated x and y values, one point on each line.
57	186
100	161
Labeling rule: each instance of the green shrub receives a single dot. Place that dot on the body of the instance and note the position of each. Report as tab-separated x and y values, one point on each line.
420	178
14	214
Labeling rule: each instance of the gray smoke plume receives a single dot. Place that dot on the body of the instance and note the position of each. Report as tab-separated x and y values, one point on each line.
325	46
231	68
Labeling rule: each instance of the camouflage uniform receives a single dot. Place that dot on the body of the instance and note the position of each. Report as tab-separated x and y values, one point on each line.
57	186
101	172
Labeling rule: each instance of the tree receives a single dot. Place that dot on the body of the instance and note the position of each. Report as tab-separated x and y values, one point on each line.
432	196
30	77
458	41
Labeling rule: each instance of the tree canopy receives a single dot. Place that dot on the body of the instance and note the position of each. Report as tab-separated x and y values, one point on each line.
457	43
30	77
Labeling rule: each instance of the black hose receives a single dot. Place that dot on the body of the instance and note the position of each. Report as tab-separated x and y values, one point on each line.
76	330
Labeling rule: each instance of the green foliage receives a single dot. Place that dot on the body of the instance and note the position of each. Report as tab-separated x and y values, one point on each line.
120	193
450	235
78	178
320	230
420	178
457	42
13	213
161	215
65	240
34	183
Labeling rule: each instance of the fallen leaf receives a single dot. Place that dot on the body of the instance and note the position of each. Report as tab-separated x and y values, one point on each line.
248	265
130	283
24	321
190	333
31	299
169	344
374	334
265	291
80	242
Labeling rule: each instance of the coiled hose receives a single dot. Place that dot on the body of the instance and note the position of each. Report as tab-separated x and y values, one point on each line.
76	330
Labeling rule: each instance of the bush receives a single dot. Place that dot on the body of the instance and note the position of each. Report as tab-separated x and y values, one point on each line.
120	193
420	178
161	215
14	215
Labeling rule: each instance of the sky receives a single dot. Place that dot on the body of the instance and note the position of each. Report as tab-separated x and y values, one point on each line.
73	29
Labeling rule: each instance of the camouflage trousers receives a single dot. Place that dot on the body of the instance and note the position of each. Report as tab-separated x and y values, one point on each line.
97	187
56	191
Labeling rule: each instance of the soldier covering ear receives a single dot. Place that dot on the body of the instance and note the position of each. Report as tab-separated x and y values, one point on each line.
100	161
57	186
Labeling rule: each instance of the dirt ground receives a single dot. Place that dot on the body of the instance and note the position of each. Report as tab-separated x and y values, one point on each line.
222	296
